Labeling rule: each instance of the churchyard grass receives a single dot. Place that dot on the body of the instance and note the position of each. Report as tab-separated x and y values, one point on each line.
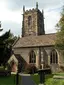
49	79
8	80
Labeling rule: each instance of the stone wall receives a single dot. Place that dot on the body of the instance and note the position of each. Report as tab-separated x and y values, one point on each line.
24	52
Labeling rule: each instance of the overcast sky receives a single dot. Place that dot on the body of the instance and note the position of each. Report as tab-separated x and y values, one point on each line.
11	13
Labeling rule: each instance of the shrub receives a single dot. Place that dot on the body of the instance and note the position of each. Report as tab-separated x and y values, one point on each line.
47	66
31	68
62	68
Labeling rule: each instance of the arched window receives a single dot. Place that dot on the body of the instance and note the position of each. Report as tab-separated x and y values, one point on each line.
29	20
53	57
32	57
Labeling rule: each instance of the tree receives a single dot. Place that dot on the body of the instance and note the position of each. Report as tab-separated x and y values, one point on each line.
60	33
0	27
6	42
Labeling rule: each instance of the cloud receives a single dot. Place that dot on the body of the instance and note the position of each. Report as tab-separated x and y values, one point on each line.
12	19
13	26
17	4
10	15
51	19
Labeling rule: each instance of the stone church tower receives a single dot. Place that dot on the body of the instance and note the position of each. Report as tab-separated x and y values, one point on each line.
33	22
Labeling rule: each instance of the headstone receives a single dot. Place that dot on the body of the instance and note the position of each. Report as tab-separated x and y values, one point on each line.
42	73
17	80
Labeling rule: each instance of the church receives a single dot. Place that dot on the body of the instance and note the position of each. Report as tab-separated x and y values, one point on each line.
34	46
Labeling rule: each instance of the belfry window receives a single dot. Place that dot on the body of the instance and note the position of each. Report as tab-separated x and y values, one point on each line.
32	57
29	20
53	57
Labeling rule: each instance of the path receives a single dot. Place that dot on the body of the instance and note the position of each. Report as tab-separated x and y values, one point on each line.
27	80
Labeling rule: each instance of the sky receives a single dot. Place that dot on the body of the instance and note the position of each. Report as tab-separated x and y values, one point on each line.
11	14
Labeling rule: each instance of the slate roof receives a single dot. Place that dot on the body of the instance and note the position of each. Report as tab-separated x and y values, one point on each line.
32	41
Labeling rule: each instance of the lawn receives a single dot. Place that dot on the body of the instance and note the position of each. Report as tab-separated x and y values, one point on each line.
49	79
8	80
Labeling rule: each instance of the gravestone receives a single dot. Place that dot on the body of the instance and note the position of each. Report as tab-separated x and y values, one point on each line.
42	73
17	78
